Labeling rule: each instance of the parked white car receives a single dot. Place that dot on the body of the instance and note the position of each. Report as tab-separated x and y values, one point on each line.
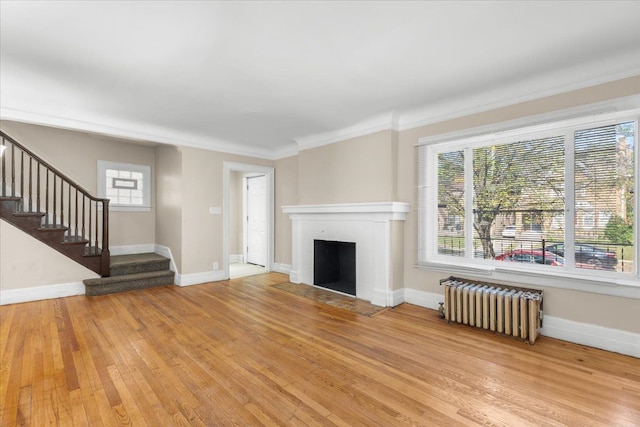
509	231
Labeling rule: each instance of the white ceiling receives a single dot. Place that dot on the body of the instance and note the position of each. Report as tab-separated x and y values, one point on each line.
265	78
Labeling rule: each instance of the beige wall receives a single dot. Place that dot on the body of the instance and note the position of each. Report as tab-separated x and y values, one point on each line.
76	154
169	200
360	169
202	188
286	189
44	265
578	306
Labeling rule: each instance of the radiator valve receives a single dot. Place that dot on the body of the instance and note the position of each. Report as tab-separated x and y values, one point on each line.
441	310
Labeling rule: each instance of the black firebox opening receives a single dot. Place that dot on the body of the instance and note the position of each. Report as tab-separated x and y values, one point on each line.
334	265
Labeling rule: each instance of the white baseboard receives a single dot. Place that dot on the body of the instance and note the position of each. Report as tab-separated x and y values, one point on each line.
236	258
166	252
596	336
199	278
294	277
281	268
397	297
37	293
423	299
379	298
132	249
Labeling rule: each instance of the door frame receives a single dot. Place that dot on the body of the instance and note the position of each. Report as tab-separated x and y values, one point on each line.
227	168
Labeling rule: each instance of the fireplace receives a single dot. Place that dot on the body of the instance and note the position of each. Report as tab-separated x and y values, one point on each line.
334	265
376	229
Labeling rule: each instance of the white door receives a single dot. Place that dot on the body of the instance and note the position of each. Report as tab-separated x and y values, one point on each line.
257	220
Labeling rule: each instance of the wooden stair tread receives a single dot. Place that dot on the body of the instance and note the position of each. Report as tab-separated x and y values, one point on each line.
53	228
27	213
74	240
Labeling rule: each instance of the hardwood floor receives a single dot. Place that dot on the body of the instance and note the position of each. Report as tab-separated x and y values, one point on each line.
241	352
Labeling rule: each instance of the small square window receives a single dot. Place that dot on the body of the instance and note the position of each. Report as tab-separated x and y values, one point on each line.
126	185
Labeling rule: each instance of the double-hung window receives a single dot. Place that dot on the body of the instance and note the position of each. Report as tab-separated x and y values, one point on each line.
558	199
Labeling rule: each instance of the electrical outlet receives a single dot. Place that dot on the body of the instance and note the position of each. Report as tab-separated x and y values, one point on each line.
215	265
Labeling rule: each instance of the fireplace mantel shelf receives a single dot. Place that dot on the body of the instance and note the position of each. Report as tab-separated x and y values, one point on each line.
346	208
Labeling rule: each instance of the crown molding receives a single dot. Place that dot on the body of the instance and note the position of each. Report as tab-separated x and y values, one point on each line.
136	133
285	151
377	123
503	97
464	106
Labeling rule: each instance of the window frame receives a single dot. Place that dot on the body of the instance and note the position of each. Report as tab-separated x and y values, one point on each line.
104	165
428	258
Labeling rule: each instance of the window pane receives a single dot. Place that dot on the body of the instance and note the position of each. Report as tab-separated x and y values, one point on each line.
451	203
604	183
518	199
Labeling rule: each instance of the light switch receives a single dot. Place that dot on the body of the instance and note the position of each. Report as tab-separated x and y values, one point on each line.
215	210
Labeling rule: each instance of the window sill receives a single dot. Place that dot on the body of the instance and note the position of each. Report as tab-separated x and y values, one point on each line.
537	278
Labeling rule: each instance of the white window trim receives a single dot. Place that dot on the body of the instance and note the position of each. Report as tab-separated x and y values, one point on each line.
505	132
103	165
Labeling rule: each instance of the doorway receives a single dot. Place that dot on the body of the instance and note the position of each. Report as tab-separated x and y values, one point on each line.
255	217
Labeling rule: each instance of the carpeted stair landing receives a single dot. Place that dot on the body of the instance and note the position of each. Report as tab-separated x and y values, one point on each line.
129	272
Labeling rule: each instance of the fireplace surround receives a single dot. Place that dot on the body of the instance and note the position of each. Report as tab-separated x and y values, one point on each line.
375	228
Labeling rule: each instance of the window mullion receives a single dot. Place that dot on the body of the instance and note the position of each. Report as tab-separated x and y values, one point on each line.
636	197
570	199
468	202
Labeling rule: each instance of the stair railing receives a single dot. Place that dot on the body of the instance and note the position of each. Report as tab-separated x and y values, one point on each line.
42	188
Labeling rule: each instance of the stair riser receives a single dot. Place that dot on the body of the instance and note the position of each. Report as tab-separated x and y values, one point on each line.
111	288
26	223
9	206
146	267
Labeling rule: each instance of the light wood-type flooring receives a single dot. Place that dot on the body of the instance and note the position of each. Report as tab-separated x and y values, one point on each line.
242	352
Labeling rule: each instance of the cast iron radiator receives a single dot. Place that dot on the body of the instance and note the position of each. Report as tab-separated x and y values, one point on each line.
504	309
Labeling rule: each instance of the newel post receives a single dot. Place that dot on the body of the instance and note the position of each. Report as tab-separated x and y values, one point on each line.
105	263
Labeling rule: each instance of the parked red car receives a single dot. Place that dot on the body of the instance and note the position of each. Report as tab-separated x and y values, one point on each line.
533	256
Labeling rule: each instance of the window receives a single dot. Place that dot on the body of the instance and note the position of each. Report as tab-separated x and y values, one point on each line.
126	185
568	188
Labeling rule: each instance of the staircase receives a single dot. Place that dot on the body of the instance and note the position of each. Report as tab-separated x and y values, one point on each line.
54	235
129	272
41	201
46	204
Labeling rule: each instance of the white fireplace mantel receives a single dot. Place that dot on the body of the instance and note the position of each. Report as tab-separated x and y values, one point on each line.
398	210
368	225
